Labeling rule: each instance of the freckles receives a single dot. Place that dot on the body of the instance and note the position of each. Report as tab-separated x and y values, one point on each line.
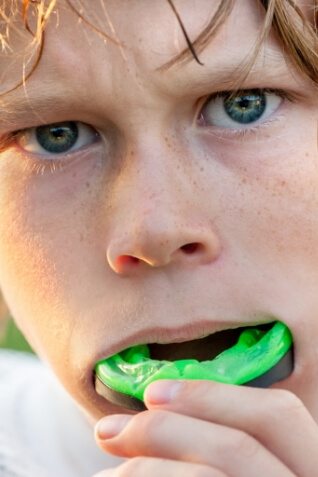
39	214
280	189
168	143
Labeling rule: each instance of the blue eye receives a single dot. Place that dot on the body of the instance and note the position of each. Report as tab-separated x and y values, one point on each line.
240	110
246	108
57	138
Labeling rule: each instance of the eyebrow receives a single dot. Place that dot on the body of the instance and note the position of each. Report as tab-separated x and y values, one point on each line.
230	76
41	101
36	102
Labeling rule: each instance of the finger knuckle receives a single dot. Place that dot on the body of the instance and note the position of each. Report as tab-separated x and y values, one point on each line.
133	467
150	423
106	473
282	402
239	444
204	471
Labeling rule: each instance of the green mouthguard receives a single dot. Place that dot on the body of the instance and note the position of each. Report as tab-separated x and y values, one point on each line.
256	352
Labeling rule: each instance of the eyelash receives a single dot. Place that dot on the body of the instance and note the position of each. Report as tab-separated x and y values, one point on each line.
40	167
36	166
242	133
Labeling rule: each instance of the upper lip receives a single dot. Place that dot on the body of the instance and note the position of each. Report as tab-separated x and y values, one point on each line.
188	332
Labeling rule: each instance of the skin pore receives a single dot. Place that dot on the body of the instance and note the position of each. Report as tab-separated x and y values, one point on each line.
166	224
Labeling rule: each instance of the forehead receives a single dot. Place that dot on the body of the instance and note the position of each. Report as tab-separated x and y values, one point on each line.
135	25
121	41
151	30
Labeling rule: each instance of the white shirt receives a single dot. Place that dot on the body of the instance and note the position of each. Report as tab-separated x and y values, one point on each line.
42	431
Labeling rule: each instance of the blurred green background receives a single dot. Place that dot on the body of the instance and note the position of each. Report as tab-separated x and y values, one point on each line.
10	337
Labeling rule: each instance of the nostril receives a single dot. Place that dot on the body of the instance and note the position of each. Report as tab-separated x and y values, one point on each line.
127	260
190	248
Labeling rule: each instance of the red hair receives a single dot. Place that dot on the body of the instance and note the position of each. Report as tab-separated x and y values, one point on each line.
299	36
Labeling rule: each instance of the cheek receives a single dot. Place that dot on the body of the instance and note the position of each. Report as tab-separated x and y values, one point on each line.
267	214
273	231
270	202
45	220
284	209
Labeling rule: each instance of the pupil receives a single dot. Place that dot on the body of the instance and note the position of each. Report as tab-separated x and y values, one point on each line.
246	108
57	138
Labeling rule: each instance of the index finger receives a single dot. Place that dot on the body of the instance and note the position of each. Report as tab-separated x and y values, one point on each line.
275	417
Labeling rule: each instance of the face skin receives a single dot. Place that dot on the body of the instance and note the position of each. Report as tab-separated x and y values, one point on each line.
155	180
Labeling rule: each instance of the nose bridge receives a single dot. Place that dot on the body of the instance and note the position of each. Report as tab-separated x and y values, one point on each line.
156	220
152	190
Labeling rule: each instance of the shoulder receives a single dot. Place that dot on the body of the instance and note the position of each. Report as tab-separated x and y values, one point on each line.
14	461
10	358
15	370
18	373
41	421
26	391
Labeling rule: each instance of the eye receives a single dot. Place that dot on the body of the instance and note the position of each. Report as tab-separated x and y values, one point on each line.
57	138
238	110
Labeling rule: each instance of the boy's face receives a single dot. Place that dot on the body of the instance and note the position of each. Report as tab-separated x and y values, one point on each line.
220	215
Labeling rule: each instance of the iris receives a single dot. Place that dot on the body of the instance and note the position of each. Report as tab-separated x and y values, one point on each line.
245	108
57	138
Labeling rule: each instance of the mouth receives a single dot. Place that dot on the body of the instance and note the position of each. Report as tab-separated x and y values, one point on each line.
202	349
247	355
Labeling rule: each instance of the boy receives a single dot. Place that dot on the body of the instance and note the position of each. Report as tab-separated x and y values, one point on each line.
152	199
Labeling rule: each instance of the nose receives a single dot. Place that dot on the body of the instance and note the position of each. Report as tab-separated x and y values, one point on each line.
159	223
153	246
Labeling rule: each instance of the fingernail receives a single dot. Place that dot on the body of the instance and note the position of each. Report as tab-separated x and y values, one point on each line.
162	392
111	426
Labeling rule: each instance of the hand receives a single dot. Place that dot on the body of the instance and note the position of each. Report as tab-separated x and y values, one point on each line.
208	429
